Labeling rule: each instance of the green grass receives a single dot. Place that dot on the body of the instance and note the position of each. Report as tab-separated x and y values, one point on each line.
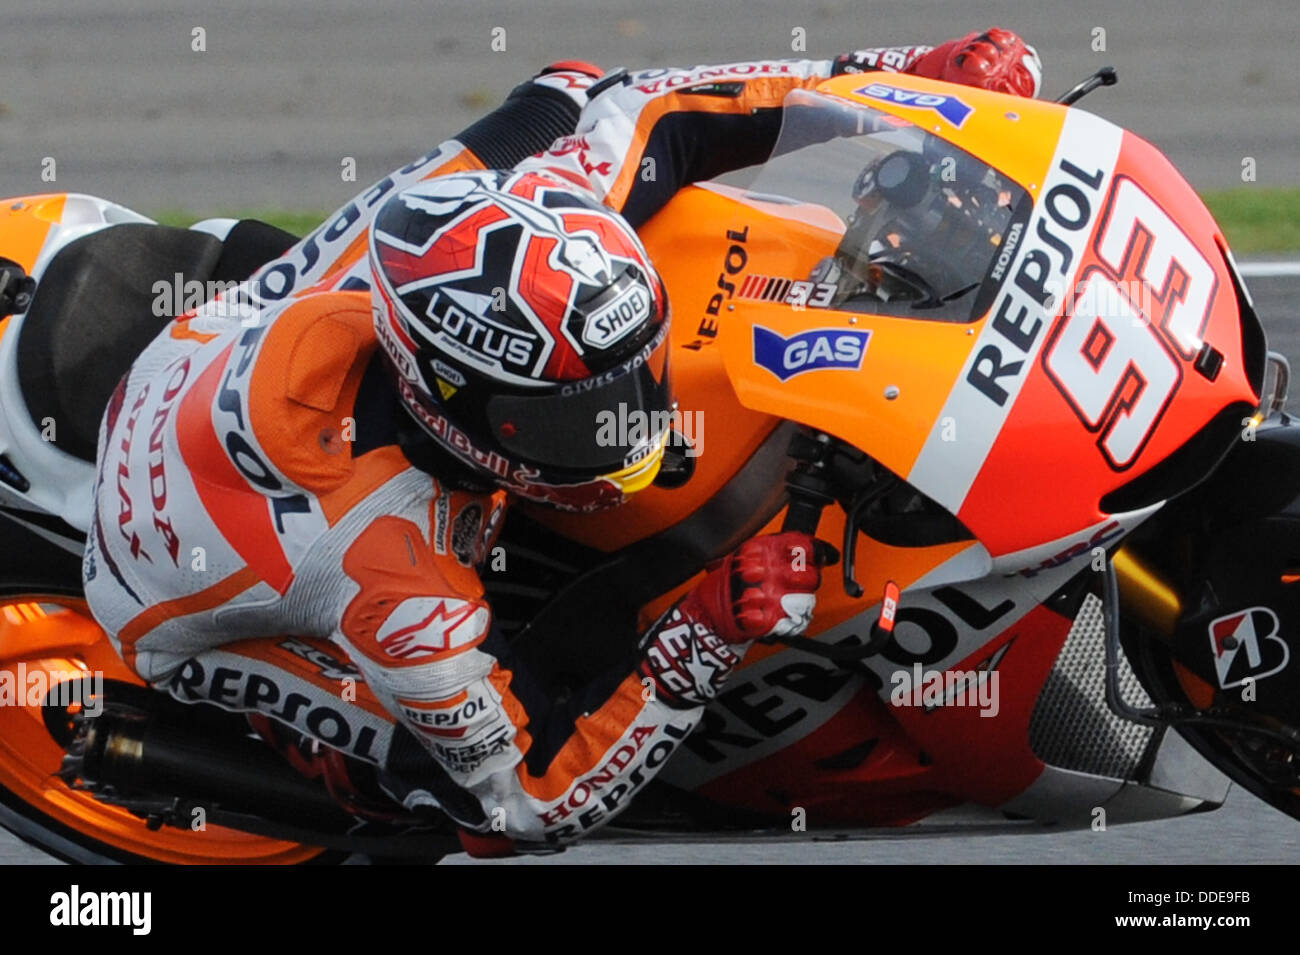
1254	218
1258	218
299	223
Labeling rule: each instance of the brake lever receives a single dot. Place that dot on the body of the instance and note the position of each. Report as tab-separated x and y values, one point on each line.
1106	76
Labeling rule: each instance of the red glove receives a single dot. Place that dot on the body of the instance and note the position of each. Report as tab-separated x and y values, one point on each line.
767	586
571	77
996	60
573	66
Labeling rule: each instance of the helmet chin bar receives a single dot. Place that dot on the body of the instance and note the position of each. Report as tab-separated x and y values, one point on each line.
639	476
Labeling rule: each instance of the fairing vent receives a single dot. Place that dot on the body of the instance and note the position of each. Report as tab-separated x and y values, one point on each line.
1195	460
1071	727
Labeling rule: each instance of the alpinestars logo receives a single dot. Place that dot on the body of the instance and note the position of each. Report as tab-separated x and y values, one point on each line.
1246	646
425	626
686	660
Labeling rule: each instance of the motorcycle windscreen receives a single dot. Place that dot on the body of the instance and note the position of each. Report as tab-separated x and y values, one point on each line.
903	223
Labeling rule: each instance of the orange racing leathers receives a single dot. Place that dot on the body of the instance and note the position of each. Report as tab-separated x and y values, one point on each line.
234	503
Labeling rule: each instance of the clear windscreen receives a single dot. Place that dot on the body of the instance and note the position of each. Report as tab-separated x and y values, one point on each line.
926	225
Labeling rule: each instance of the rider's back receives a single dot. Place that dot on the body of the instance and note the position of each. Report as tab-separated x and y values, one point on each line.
235	478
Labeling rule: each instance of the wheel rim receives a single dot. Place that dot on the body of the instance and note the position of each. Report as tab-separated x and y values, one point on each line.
30	757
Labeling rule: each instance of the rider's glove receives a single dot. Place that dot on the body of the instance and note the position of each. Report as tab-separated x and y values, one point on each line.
996	60
766	587
573	78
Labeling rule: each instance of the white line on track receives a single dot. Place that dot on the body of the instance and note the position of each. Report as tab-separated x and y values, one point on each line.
1268	269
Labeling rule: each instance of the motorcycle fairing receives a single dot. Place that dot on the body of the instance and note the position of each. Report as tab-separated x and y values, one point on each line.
826	746
1022	422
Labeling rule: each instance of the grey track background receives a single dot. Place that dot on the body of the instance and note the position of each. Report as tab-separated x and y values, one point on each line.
113	92
286	88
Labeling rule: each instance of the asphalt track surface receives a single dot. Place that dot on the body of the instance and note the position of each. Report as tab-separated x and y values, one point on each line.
112	91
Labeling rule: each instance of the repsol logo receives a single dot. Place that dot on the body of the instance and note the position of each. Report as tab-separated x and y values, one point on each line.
1065	212
241	691
756	708
456	717
733	263
605	792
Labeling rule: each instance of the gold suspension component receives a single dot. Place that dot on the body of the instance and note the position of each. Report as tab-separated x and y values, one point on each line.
1141	591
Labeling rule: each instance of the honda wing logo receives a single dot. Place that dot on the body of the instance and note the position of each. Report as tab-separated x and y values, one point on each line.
1246	646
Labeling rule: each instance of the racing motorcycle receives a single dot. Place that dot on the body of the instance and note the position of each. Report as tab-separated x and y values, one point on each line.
1047	441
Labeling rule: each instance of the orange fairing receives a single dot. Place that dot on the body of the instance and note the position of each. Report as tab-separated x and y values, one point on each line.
25	222
1104	332
1152	251
1101	337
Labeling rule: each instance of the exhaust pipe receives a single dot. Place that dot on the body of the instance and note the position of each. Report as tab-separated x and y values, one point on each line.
131	755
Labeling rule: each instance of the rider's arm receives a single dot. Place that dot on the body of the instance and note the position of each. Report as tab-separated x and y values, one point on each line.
533	115
510	759
643	137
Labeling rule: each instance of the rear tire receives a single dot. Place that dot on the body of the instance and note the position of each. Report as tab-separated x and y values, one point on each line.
42	811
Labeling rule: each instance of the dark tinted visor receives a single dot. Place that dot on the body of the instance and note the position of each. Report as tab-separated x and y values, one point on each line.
599	424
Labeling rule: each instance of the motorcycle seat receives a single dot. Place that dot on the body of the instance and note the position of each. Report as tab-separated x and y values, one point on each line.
97	306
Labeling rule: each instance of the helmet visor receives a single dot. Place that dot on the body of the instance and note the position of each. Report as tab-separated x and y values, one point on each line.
606	422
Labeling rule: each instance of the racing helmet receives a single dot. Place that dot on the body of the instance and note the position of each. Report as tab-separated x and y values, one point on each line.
526	331
923	226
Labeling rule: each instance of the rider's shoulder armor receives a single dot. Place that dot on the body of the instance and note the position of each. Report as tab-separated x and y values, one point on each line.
304	385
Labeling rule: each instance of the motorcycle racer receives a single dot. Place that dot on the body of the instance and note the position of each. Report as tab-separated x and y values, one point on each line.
337	464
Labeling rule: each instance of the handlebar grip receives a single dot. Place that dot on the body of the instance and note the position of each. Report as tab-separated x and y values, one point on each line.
803	514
